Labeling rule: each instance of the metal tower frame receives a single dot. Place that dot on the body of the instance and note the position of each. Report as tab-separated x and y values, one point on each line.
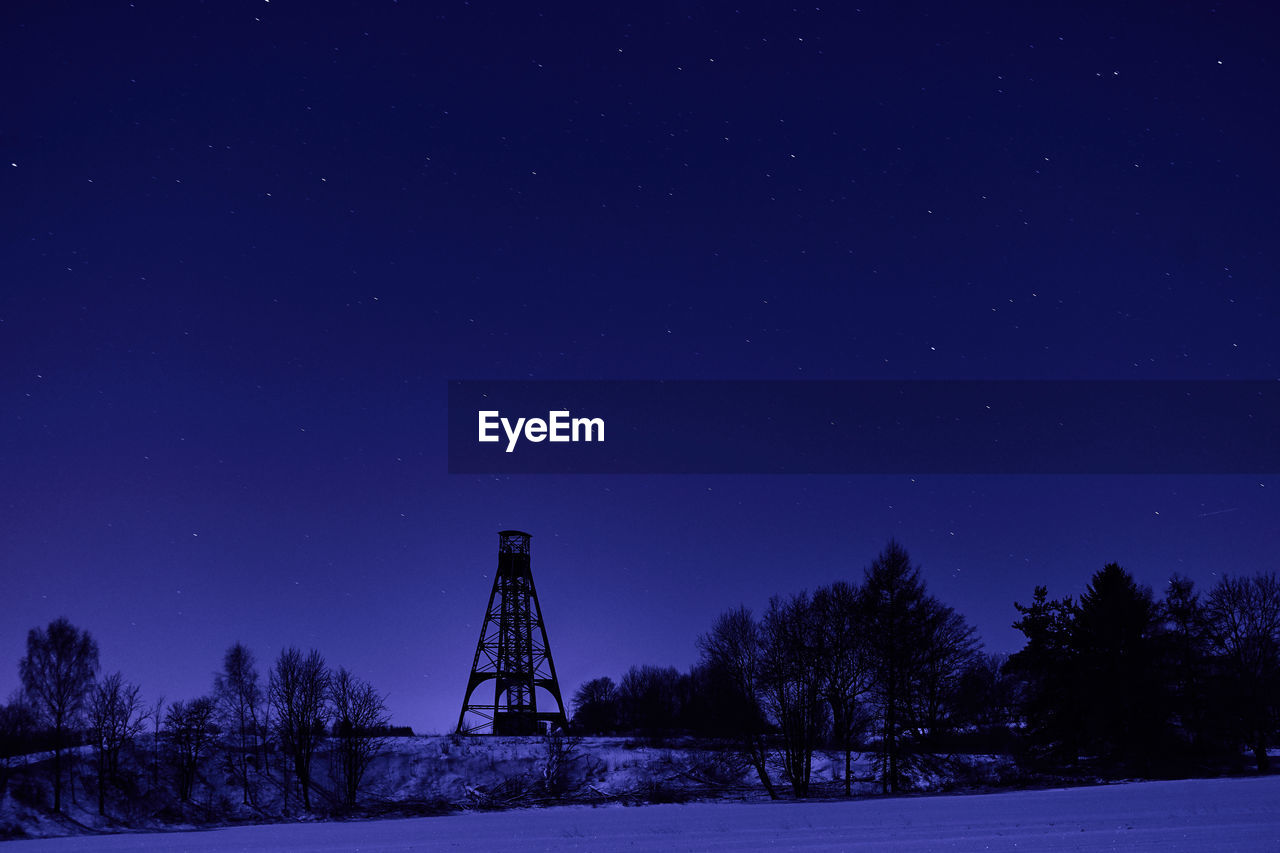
513	652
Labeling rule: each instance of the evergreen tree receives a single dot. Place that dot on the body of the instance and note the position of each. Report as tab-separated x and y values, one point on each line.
1118	629
896	615
1047	666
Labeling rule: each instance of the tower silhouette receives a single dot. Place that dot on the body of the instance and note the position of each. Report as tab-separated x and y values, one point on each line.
513	652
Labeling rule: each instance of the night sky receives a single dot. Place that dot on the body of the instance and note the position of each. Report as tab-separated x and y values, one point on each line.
247	244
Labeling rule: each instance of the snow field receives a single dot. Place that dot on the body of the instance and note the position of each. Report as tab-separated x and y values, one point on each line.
1195	815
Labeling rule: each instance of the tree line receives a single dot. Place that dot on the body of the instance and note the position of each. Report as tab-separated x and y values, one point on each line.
1131	684
1118	683
257	734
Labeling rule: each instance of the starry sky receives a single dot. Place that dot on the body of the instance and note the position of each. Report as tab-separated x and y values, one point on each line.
246	245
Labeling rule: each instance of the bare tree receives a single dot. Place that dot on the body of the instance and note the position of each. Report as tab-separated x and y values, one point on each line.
650	699
56	673
1188	641
595	706
360	722
17	729
266	727
560	756
1245	617
239	700
731	654
792	678
949	647
846	663
156	714
191	732
298	689
116	717
987	697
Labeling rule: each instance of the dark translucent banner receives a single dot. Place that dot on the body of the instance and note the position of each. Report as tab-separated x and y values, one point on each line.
864	427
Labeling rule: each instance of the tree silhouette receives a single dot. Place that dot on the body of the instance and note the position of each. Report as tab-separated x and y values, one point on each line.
1245	617
792	677
948	647
846	665
651	699
116	717
17	731
1187	650
731	655
595	706
190	730
239	699
56	673
1117	630
360	722
1048	667
897	611
986	698
298	690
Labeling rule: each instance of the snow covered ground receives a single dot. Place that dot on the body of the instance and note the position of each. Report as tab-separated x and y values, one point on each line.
1199	815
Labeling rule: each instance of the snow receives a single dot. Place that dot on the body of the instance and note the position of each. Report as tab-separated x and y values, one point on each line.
1196	815
447	768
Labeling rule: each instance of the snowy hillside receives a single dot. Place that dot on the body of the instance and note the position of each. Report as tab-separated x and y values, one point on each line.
426	776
